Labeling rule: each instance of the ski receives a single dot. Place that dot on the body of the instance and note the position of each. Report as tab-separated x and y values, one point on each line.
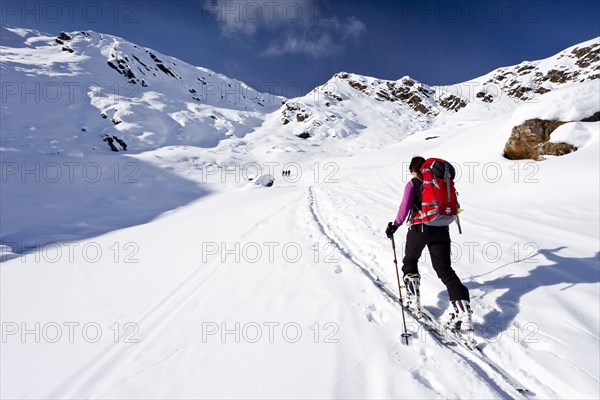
470	344
507	377
452	339
427	323
467	340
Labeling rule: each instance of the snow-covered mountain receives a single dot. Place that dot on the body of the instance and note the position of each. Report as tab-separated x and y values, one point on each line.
164	271
337	108
98	85
577	63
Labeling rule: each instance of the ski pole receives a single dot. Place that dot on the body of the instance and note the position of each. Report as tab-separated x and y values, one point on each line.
405	334
458	224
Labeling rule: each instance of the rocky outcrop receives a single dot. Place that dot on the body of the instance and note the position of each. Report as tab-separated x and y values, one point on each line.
64	36
530	140
552	149
593	118
414	94
586	55
485	97
451	102
527	80
293	111
110	140
358	86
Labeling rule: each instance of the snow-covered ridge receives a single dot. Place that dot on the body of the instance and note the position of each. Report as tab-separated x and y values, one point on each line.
572	103
103	85
111	88
137	64
348	103
320	111
529	79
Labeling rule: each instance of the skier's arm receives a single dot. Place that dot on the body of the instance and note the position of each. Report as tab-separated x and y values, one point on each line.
405	205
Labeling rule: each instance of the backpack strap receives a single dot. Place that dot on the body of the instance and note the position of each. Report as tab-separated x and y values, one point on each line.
447	179
415	207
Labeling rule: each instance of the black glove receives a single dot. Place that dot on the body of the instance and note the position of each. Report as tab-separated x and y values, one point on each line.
391	229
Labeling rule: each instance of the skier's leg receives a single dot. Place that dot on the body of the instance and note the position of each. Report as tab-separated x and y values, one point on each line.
459	316
439	250
416	240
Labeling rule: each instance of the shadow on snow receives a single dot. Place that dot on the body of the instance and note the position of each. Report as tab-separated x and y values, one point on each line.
567	271
75	204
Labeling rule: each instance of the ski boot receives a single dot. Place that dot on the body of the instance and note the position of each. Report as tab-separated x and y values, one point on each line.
412	282
460	317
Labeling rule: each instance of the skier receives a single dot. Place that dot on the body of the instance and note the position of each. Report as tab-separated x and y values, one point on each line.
437	240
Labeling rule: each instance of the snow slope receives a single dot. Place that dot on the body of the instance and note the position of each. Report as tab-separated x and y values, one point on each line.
96	84
62	95
186	280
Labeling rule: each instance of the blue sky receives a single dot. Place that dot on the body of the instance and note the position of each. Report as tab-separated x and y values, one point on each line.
290	46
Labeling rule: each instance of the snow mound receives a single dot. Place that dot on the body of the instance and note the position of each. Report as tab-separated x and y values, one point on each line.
571	103
578	134
265	180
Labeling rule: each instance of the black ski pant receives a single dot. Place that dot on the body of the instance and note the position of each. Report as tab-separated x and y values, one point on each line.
437	240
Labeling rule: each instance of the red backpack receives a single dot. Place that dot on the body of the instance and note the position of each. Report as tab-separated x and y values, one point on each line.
439	204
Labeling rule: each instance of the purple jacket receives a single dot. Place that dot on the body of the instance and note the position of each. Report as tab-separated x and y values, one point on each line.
406	204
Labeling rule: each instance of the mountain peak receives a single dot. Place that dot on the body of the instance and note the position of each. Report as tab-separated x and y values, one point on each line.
121	89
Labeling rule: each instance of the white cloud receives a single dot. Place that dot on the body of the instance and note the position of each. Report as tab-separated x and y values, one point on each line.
319	47
354	28
297	25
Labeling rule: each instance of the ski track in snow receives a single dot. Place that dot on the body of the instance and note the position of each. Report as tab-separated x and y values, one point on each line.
500	388
158	317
